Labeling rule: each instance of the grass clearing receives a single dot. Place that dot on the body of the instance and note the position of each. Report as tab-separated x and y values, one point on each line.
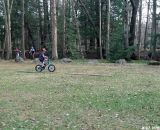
125	97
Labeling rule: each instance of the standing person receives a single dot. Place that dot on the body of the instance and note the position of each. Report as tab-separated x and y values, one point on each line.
42	57
17	59
32	52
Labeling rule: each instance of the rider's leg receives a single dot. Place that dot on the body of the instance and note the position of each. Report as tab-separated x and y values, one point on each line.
42	64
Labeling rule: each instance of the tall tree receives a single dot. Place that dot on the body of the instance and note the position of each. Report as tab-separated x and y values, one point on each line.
153	33
40	23
108	28
64	28
54	29
46	23
135	5
23	31
140	28
146	28
126	23
7	6
76	22
100	28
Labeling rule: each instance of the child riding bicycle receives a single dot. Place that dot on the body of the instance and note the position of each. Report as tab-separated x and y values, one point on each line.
44	62
42	57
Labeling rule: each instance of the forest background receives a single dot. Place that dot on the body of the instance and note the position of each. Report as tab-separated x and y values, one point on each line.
107	29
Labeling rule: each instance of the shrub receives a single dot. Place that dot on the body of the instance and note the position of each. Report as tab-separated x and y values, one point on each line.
118	52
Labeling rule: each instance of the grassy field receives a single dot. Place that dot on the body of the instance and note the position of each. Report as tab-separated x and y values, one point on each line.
79	96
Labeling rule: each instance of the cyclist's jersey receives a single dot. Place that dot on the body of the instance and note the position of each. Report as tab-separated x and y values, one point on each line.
32	50
41	57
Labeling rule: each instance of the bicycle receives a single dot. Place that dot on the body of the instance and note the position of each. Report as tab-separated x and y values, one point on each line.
40	67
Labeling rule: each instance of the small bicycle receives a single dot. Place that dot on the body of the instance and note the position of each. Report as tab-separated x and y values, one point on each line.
51	67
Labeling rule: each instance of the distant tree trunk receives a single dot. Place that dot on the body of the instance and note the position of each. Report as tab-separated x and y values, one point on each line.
64	28
4	47
153	33
146	28
100	29
77	28
54	29
23	31
135	4
9	52
40	23
140	28
46	23
38	45
7	6
108	28
29	31
126	24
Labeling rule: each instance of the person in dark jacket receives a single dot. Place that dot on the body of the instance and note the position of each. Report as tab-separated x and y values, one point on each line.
42	57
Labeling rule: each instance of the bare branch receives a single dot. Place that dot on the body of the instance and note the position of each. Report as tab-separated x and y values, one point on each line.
88	14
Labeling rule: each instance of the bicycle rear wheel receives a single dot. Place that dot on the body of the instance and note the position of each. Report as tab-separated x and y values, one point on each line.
38	68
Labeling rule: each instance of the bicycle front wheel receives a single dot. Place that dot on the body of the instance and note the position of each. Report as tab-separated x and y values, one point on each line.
51	68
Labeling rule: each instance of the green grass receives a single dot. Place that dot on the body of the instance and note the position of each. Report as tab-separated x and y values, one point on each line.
140	61
79	96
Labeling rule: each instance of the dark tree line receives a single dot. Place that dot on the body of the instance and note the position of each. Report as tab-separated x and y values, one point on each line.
78	28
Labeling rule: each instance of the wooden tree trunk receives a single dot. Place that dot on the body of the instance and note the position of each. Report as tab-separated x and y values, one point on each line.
64	28
126	24
153	33
54	29
100	29
9	49
40	24
23	31
7	5
46	23
4	47
139	28
146	28
135	4
77	28
108	28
